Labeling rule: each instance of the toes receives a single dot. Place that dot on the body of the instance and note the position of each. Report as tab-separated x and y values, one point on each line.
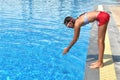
93	67
94	63
96	66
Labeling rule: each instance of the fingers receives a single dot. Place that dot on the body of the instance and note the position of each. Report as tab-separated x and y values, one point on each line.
64	52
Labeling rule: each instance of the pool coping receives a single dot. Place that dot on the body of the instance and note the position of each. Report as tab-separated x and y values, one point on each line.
108	72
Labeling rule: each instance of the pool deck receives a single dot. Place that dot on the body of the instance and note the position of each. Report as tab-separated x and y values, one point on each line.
111	69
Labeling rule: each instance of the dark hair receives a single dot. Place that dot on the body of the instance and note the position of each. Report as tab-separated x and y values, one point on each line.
67	19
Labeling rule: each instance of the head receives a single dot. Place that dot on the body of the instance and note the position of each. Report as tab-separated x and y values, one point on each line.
69	22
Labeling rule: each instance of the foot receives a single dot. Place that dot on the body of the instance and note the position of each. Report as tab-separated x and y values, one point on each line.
96	64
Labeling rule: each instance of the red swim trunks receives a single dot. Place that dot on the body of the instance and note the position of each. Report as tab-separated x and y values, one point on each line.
102	18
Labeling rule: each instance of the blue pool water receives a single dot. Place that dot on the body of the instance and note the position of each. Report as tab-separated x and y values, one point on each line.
32	38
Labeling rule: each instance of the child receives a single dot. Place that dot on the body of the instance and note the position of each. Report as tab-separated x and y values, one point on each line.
85	18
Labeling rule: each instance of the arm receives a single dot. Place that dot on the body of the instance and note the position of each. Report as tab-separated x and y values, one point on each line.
75	38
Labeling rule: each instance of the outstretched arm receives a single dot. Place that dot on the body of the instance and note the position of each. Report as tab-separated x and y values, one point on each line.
75	38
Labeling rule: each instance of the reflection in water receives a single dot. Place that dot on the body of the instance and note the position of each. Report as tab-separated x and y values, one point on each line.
27	9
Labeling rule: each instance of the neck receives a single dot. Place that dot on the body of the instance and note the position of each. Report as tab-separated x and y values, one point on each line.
73	20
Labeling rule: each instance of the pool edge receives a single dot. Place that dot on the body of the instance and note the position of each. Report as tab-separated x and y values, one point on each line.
100	74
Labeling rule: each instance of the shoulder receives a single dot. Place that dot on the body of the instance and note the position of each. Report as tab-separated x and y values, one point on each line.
79	22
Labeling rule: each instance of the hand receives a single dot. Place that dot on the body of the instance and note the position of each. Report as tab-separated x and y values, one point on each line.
65	50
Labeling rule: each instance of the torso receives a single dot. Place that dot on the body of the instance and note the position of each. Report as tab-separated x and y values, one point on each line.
87	17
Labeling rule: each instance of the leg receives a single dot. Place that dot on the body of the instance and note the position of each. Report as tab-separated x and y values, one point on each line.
101	45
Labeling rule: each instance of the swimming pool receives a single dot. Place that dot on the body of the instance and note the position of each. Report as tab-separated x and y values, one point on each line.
32	38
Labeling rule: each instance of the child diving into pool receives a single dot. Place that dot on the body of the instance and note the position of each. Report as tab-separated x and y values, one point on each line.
85	18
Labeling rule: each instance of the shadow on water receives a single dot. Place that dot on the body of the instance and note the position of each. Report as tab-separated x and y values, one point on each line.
111	59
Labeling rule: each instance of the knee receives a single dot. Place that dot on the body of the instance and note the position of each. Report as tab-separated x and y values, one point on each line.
100	41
